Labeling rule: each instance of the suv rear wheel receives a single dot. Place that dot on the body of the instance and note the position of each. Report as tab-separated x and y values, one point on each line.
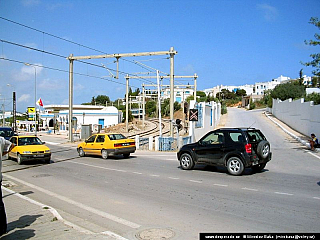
263	149
186	161
235	166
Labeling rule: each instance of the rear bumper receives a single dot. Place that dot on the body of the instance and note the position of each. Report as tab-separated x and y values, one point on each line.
118	151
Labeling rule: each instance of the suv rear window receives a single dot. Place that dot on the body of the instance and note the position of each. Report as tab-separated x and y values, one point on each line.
236	136
255	136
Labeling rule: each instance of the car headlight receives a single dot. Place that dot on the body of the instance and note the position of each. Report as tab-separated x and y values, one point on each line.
47	151
25	152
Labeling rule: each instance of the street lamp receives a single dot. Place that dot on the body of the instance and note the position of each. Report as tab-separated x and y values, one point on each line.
35	95
14	107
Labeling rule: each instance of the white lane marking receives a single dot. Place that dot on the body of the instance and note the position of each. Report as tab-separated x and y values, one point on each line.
174	178
113	235
51	209
250	189
52	143
283	193
137	173
111	169
154	175
195	181
314	155
316	198
80	205
220	185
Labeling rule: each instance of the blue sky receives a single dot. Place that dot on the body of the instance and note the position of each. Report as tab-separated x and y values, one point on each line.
225	42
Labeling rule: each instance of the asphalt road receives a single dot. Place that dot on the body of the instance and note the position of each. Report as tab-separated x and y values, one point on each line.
149	194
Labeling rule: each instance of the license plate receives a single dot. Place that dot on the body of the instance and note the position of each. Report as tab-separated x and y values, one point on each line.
39	156
125	144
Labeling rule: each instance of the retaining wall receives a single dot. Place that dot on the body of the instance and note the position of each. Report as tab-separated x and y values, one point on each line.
302	116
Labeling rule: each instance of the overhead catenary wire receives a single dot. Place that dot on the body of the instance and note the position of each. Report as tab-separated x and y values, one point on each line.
65	57
66	71
139	78
51	35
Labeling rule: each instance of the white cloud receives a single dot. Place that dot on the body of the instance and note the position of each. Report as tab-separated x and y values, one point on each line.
29	3
78	87
28	72
189	69
270	13
50	84
24	98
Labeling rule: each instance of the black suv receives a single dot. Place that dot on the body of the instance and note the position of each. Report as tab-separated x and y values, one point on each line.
234	148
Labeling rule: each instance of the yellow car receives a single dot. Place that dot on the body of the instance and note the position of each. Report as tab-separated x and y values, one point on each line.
29	148
107	144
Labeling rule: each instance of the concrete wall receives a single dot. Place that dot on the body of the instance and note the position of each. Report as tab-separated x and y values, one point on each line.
210	119
302	116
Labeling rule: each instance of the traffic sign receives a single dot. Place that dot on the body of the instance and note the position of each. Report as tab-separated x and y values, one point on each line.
193	114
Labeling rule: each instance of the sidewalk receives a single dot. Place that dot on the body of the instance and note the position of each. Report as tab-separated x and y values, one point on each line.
28	219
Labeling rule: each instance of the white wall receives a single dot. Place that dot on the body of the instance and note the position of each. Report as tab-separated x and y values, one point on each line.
302	116
197	133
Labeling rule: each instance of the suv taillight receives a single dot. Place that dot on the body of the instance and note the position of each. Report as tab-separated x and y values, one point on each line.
248	148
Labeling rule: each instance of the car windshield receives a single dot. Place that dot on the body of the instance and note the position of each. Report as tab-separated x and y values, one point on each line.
6	133
116	136
29	141
255	136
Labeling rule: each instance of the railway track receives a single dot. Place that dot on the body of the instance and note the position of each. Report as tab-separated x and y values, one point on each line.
155	129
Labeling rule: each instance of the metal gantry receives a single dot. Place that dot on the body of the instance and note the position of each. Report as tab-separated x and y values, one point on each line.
71	58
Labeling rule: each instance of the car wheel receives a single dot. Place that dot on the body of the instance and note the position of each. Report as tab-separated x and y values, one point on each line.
19	160
235	166
81	152
186	161
259	167
263	149
126	155
104	154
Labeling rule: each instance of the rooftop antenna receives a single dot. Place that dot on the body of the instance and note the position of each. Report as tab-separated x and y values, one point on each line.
252	124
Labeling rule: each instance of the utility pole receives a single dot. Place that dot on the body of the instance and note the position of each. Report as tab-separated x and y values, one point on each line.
159	104
70	97
172	52
195	86
127	103
143	105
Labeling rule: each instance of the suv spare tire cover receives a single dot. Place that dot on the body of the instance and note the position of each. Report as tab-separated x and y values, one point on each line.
263	149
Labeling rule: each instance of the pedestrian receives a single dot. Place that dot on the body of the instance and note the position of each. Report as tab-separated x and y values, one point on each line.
5	147
314	142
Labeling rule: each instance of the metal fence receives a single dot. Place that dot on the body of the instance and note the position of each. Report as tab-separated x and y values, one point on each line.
171	143
144	143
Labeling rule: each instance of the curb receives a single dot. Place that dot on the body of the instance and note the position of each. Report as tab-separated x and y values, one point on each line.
305	143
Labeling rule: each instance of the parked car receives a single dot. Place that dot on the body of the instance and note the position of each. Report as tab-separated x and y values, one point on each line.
234	148
6	132
29	148
106	145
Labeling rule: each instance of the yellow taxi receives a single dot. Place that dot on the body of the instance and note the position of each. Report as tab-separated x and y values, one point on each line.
107	144
29	148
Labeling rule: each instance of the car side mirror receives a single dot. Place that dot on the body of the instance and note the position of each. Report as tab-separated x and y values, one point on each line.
43	142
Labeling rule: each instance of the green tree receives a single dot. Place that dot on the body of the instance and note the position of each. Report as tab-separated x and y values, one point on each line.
288	90
315	97
316	57
151	108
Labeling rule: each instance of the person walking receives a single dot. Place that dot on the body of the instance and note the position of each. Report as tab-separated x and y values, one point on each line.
5	147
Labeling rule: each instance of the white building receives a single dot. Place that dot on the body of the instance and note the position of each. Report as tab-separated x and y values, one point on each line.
180	93
82	114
